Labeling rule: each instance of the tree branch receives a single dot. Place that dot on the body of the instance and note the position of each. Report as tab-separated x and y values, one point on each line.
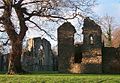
20	1
35	13
2	7
2	30
9	27
43	30
6	42
1	18
23	27
31	2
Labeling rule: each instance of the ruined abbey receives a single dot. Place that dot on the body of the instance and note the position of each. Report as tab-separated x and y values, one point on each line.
91	56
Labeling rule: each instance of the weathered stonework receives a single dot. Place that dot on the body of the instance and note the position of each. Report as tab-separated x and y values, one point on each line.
88	57
1	62
91	48
39	56
4	62
65	47
47	59
111	60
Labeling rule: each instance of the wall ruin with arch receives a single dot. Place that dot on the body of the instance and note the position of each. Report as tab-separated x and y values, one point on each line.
89	57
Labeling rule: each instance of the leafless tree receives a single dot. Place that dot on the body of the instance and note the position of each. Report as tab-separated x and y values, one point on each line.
17	16
116	37
107	24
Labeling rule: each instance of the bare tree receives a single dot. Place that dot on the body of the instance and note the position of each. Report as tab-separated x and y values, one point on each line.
17	15
116	37
108	24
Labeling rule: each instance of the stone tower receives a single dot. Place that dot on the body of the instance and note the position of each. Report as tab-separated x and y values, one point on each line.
65	47
92	47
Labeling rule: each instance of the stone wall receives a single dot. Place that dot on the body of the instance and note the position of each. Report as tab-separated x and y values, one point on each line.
47	61
1	62
89	57
28	61
4	62
91	64
111	60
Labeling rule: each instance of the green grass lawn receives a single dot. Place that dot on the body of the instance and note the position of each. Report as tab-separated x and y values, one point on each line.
59	78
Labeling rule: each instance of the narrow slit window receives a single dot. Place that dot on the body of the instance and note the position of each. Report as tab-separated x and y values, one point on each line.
91	40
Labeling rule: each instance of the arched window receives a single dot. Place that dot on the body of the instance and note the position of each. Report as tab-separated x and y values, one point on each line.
91	39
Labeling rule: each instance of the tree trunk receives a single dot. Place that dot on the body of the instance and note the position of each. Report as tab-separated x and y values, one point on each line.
14	65
15	58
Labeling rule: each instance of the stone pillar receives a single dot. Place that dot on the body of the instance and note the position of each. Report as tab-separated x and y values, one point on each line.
65	47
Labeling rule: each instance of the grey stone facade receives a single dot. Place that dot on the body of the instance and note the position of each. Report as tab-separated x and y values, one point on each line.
47	59
3	61
39	56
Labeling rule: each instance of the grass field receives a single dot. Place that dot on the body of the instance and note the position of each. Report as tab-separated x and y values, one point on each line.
59	78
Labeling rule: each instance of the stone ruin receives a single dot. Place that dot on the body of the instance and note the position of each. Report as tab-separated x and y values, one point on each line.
111	60
89	57
39	56
66	47
3	62
91	48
